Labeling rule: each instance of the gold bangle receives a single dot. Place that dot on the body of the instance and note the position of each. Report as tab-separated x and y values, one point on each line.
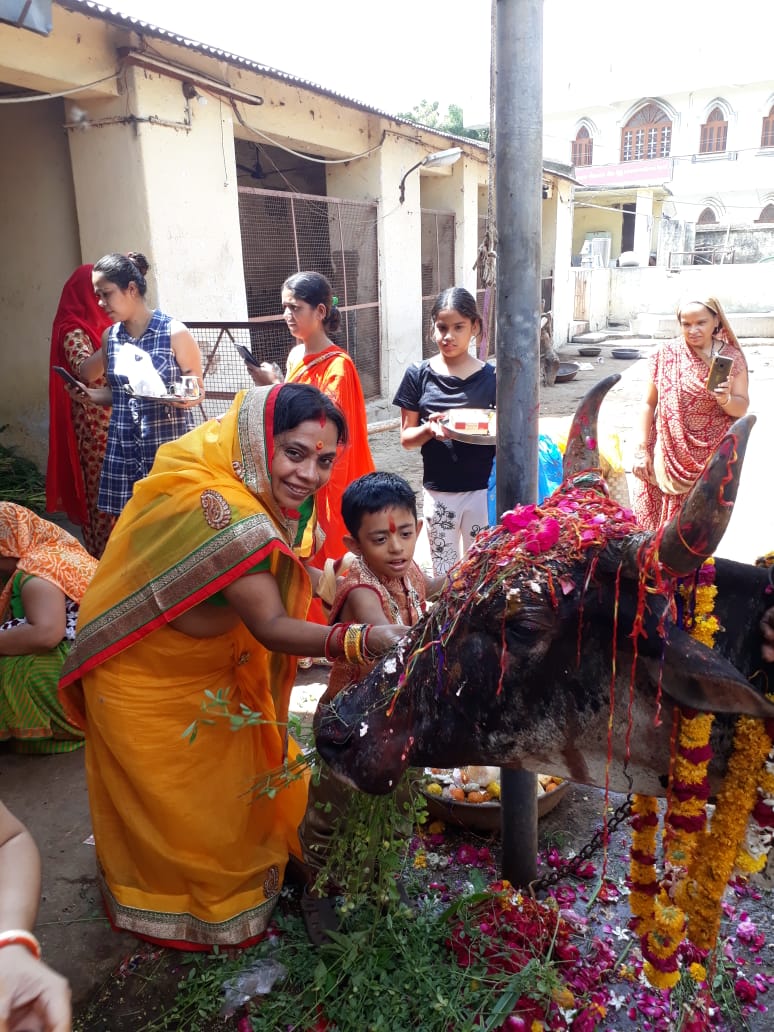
353	644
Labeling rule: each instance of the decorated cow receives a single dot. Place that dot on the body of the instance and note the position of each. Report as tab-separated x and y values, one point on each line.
558	646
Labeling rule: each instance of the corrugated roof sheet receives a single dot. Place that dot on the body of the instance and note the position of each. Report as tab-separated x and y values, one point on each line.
96	10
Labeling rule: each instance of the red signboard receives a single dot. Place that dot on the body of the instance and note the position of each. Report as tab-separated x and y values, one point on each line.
627	173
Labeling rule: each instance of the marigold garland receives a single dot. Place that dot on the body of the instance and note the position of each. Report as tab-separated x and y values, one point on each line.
698	861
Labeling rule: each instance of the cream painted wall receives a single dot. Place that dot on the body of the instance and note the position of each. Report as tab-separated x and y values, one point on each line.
168	190
39	251
596	220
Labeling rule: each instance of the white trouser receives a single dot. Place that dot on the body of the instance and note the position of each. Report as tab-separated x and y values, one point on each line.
452	520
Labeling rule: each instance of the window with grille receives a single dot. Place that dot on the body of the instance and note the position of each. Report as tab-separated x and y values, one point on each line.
713	133
284	233
582	147
707	218
437	267
767	132
647	135
767	215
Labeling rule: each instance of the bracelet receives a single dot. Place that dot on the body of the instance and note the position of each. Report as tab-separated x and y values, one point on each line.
21	937
726	402
335	639
354	643
368	652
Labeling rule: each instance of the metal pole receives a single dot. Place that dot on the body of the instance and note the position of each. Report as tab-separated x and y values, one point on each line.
519	178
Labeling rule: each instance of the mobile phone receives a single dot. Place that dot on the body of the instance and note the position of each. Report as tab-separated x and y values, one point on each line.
719	370
68	378
247	355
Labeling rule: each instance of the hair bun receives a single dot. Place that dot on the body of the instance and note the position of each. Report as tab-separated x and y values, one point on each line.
139	260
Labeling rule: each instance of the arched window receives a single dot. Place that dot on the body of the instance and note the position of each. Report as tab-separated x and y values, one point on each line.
707	218
647	134
713	133
582	147
767	132
767	215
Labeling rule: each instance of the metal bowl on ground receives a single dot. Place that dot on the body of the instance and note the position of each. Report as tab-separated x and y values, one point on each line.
629	353
485	816
589	352
567	371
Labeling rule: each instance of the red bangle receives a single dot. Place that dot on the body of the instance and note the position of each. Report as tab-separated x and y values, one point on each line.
331	642
21	937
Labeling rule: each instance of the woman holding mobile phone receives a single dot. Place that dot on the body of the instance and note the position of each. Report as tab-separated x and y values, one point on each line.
686	411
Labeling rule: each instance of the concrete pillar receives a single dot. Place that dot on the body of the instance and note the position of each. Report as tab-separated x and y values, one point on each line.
643	226
564	277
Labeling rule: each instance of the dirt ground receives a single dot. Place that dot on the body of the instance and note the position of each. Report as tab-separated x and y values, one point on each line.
49	793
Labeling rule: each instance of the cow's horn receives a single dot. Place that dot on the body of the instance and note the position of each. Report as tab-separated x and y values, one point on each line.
695	531
582	451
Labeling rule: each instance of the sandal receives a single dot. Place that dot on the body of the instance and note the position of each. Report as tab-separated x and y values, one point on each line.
320	917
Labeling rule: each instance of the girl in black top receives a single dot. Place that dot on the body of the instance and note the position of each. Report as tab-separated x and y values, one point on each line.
455	475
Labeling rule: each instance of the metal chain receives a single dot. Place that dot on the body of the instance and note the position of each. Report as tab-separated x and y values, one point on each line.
621	814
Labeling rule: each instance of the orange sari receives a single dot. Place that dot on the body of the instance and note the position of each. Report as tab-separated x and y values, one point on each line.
333	372
188	855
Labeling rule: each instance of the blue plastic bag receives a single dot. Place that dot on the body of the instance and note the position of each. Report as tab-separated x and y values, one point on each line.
549	475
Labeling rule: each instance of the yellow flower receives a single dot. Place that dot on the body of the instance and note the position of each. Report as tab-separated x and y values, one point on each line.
563	997
698	972
420	859
660	979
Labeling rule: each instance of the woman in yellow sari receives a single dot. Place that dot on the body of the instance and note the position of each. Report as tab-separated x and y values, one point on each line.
202	588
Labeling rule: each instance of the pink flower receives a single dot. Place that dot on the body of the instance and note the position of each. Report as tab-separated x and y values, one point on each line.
518	519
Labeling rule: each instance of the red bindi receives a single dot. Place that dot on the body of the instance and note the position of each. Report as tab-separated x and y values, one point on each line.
392	526
319	446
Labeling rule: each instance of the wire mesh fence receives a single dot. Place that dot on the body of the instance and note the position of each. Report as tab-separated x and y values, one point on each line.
437	267
285	233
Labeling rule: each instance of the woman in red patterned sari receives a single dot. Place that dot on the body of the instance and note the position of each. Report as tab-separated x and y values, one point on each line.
682	421
77	433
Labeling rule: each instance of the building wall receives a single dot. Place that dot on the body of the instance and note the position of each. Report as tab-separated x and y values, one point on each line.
40	249
139	168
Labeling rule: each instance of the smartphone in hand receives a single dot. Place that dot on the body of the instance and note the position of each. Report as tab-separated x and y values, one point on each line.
719	371
69	378
247	355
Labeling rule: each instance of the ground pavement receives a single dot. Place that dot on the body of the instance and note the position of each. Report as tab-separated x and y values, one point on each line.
49	793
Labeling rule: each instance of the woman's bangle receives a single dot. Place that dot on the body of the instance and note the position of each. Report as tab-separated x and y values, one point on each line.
726	402
21	937
335	640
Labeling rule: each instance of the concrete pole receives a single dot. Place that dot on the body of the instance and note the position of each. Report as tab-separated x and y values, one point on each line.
519	179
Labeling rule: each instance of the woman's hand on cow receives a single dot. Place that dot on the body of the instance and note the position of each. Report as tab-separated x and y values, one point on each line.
382	637
767	630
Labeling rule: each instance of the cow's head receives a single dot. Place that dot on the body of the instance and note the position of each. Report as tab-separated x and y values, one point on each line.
556	618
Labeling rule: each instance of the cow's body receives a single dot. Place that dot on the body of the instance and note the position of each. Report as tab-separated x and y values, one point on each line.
526	681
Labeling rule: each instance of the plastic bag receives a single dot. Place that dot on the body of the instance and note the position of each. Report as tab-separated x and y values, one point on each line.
256	980
137	367
549	475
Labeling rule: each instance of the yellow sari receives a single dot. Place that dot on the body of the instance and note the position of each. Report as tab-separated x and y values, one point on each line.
188	856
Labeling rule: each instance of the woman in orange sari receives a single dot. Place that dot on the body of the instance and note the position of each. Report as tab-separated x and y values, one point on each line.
202	589
682	420
311	313
77	434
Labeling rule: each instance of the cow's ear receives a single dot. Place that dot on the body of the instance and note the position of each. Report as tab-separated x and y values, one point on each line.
696	676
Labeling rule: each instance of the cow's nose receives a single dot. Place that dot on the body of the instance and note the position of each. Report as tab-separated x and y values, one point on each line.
329	726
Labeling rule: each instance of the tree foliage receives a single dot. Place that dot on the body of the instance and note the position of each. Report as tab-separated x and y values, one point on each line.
428	113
